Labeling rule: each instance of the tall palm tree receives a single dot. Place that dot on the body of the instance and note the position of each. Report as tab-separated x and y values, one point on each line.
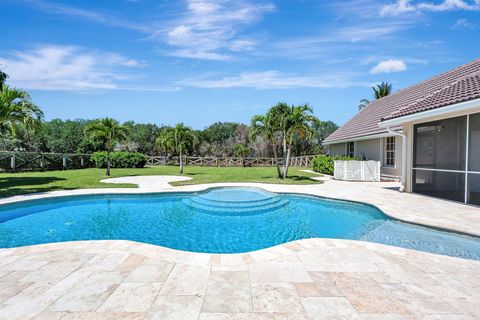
16	108
363	104
382	90
177	139
267	126
3	78
300	120
108	131
280	112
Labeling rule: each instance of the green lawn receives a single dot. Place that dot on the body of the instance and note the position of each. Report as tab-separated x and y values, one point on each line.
30	182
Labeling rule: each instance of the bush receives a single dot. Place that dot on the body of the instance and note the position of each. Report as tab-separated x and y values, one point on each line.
120	159
325	164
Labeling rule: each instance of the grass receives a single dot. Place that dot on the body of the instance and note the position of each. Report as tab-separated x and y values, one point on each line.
30	182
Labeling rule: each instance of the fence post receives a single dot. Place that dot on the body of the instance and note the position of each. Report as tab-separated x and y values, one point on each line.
379	168
82	162
42	159
362	170
12	161
64	162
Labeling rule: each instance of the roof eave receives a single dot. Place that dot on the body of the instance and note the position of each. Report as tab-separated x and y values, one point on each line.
360	138
446	110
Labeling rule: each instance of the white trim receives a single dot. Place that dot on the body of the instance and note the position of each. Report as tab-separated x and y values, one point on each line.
385	151
467	154
439	170
447	170
404	157
370	137
457	107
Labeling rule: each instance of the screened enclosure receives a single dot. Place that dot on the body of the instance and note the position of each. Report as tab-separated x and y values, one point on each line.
447	159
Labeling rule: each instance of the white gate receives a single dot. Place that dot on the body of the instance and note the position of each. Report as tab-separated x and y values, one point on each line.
353	170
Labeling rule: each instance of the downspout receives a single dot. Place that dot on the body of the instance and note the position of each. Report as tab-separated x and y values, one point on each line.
404	157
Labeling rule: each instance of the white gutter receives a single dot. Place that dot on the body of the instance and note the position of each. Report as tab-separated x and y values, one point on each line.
457	107
404	157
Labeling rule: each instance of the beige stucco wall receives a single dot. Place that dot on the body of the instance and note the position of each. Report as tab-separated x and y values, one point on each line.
373	149
368	149
337	149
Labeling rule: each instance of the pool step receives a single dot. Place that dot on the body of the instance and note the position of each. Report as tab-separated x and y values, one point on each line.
234	203
223	207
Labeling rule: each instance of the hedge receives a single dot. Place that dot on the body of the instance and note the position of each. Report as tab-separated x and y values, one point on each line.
120	159
325	164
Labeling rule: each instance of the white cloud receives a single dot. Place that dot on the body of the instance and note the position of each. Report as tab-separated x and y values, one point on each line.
464	23
399	7
211	29
388	66
405	6
199	55
70	68
450	5
273	79
65	10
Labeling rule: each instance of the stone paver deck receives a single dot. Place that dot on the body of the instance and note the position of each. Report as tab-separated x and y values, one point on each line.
306	279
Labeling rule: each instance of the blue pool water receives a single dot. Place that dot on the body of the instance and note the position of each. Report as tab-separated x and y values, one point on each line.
226	220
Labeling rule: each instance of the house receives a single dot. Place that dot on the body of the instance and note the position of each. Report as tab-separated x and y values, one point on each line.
428	135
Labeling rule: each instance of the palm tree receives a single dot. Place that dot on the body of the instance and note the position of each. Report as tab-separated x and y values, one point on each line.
382	90
267	126
300	120
241	151
280	112
363	104
3	78
16	108
110	132
177	139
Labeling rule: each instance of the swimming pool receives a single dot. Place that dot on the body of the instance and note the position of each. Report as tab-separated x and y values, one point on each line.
219	220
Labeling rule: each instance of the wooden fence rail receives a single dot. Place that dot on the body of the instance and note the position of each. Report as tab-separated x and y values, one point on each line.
31	161
34	161
301	161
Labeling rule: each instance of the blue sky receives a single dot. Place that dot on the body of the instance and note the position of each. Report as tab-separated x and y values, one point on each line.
201	61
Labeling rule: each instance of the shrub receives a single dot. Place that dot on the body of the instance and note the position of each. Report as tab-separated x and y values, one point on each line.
325	164
120	159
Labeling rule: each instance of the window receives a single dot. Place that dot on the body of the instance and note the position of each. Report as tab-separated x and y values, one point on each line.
390	146
351	149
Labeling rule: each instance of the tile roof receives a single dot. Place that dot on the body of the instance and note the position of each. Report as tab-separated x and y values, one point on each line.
454	86
465	89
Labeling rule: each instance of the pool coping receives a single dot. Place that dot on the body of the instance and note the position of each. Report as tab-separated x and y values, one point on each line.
165	187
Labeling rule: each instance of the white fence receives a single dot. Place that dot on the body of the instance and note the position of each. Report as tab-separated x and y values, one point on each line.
352	170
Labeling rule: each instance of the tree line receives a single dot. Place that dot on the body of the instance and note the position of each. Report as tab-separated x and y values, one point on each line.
22	128
219	139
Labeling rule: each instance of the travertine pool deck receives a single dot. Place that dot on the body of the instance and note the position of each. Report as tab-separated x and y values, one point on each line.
305	279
